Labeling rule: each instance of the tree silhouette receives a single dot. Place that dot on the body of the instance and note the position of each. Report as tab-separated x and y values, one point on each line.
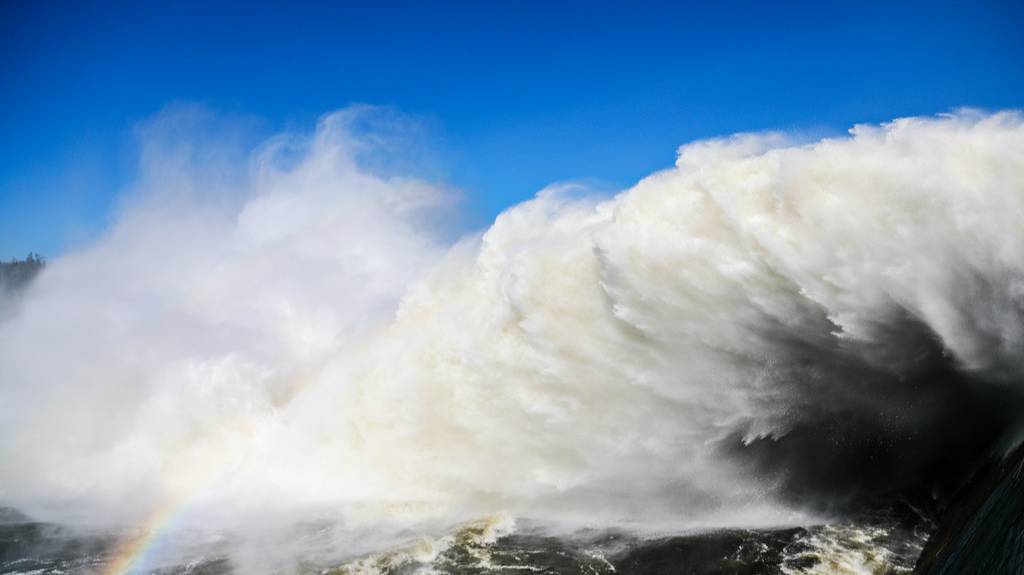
16	274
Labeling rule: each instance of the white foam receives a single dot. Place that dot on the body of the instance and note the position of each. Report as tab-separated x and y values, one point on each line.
309	339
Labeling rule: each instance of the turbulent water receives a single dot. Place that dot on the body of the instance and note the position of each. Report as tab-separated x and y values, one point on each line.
283	354
495	545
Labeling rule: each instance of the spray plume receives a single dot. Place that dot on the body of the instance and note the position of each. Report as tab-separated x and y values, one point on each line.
765	329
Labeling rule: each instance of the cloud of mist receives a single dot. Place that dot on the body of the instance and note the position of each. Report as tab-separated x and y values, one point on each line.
219	290
290	328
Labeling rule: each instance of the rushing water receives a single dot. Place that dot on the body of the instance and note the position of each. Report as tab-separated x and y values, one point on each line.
284	360
498	545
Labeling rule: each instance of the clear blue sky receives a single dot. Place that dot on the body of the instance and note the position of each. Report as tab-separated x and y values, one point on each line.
520	94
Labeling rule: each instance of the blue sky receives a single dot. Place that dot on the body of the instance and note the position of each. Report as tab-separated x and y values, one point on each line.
516	95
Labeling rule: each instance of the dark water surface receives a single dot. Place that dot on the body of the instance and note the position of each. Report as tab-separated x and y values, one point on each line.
875	546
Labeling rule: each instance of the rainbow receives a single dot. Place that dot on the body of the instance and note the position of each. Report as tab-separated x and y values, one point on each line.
134	551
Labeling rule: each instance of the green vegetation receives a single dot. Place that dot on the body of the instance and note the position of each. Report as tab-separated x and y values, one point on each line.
16	274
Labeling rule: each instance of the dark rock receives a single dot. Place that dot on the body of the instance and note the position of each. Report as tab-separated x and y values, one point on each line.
982	531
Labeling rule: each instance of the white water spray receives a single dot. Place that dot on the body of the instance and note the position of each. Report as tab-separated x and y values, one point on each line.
305	337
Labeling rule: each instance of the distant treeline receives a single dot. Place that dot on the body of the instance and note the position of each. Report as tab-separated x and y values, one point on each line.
15	274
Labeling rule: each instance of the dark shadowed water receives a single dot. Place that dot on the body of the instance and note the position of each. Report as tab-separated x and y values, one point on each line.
873	546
